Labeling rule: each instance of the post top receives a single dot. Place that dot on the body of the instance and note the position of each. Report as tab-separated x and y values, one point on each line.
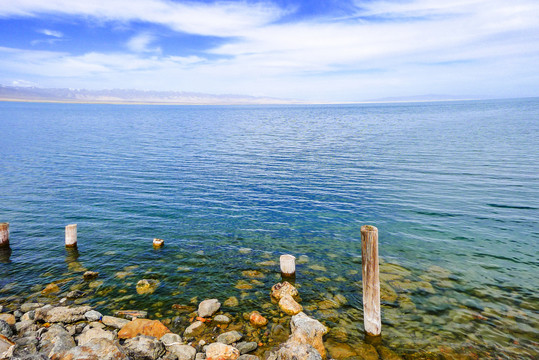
285	256
366	228
71	225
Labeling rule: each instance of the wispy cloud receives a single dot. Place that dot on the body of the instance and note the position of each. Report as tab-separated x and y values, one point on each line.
216	19
141	43
53	33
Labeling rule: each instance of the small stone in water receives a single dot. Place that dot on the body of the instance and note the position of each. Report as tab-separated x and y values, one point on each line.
50	289
245	250
88	275
257	320
229	337
95	284
147	286
243	285
318	268
223	319
231	302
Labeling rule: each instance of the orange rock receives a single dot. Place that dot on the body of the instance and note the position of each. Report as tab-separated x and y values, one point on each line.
202	319
50	289
257	320
143	327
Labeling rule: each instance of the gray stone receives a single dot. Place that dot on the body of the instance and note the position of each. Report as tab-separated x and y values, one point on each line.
17	314
194	329
30	306
25	326
144	348
94	333
6	348
208	307
294	351
75	294
183	352
246	347
306	330
56	340
114	322
248	357
170	339
229	337
30	315
62	314
200	356
5	329
222	352
95	349
93	315
223	319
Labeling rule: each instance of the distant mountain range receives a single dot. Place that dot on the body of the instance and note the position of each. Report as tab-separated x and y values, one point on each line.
124	96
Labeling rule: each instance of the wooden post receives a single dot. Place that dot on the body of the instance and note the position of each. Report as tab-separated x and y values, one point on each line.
71	235
157	243
288	265
4	235
371	280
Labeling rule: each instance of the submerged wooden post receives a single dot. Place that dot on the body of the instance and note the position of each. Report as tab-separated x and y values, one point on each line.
371	280
4	235
288	265
71	235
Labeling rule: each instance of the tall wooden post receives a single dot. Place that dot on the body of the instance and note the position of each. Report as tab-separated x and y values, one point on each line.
371	280
71	235
288	265
4	235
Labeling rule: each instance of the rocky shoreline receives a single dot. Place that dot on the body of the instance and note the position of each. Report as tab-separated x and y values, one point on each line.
66	331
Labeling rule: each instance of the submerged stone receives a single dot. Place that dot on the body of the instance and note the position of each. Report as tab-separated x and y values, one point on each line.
147	286
231	302
289	305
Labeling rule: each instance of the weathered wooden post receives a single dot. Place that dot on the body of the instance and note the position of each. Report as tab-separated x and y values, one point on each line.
4	235
371	280
157	243
71	235
288	265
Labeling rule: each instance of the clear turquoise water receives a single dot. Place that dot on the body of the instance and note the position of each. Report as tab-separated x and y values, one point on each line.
448	184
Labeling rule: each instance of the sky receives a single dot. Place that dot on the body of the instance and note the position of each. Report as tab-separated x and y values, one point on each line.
313	50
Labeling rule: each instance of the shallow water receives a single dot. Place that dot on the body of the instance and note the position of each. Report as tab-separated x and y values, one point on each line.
452	187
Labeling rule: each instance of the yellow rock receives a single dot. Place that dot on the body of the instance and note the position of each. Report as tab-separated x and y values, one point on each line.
147	286
50	289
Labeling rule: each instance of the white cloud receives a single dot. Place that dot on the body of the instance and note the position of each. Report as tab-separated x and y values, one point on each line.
217	19
53	33
141	43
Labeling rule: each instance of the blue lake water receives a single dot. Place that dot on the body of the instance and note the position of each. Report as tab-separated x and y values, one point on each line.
453	188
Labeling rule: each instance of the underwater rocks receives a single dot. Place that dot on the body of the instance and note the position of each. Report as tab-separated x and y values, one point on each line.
90	275
147	286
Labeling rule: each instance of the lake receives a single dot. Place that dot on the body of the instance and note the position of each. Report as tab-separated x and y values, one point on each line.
453	188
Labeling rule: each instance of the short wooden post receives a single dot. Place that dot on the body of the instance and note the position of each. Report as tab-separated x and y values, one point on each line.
4	235
71	235
157	243
288	265
371	280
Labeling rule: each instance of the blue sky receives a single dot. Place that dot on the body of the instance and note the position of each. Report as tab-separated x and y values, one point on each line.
311	50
